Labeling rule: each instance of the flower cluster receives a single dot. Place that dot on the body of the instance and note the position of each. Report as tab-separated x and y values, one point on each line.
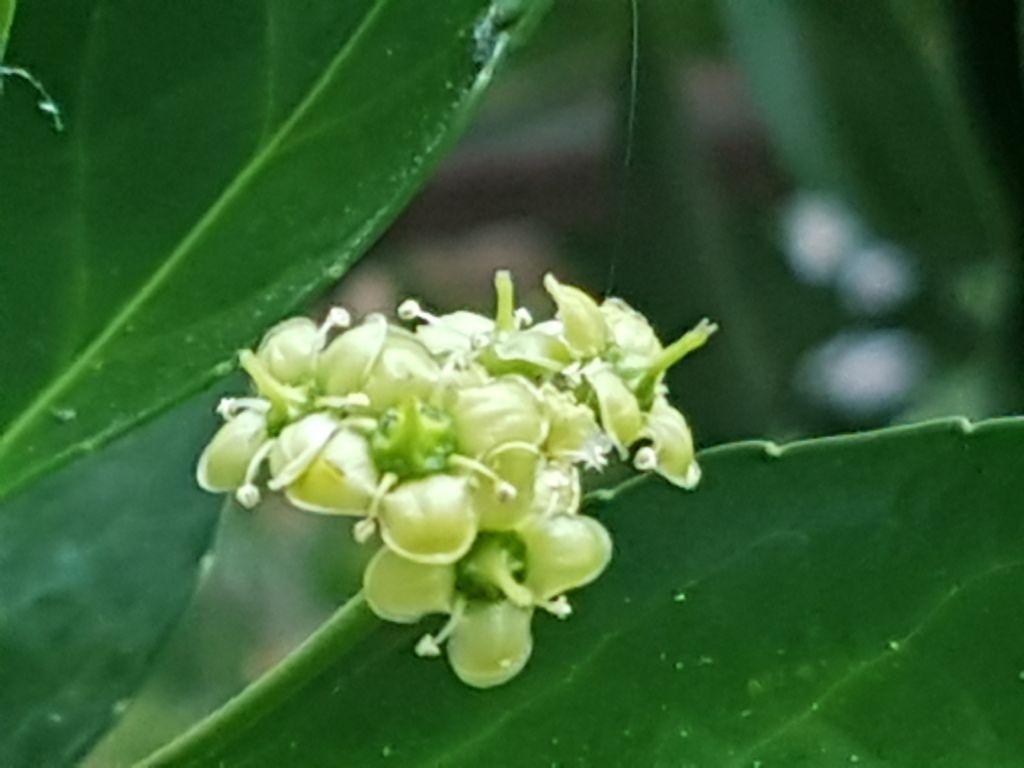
457	443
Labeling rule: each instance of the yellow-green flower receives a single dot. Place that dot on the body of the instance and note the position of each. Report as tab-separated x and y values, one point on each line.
460	446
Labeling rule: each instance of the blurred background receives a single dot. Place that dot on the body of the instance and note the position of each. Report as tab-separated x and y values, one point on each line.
837	184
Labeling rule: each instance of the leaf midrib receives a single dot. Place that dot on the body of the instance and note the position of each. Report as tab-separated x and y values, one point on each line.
49	395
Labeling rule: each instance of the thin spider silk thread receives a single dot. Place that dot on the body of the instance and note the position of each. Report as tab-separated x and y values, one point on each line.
627	159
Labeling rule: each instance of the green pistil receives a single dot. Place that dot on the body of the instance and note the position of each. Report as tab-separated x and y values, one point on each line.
505	315
692	340
493	568
413	440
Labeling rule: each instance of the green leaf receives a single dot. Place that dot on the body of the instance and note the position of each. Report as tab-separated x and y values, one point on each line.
6	20
95	565
220	164
850	600
861	103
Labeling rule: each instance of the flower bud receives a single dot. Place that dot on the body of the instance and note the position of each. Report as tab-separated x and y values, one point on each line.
341	479
430	520
573	426
225	461
582	322
502	411
403	369
634	345
563	552
491	643
672	444
404	591
289	350
345	364
620	411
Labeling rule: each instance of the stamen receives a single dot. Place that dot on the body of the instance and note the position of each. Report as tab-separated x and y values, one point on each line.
523	318
429	646
354	400
646	459
505	491
291	471
386	484
410	309
559	607
289	398
363	531
248	494
337	317
229	407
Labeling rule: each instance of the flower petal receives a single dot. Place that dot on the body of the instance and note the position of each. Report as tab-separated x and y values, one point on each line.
672	443
405	591
430	520
563	552
341	479
506	410
289	350
225	460
491	643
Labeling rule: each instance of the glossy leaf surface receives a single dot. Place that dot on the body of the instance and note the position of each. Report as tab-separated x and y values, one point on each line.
219	165
843	601
95	565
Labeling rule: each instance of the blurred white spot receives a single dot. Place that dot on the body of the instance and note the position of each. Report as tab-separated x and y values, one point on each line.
819	232
864	372
876	279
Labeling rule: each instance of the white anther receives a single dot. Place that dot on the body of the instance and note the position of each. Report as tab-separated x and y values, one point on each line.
363	531
503	489
428	647
523	317
559	607
248	495
480	340
229	407
410	309
646	459
337	317
506	492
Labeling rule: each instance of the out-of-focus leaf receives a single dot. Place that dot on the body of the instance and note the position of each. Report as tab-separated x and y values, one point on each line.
851	600
220	164
857	109
275	576
96	563
6	19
